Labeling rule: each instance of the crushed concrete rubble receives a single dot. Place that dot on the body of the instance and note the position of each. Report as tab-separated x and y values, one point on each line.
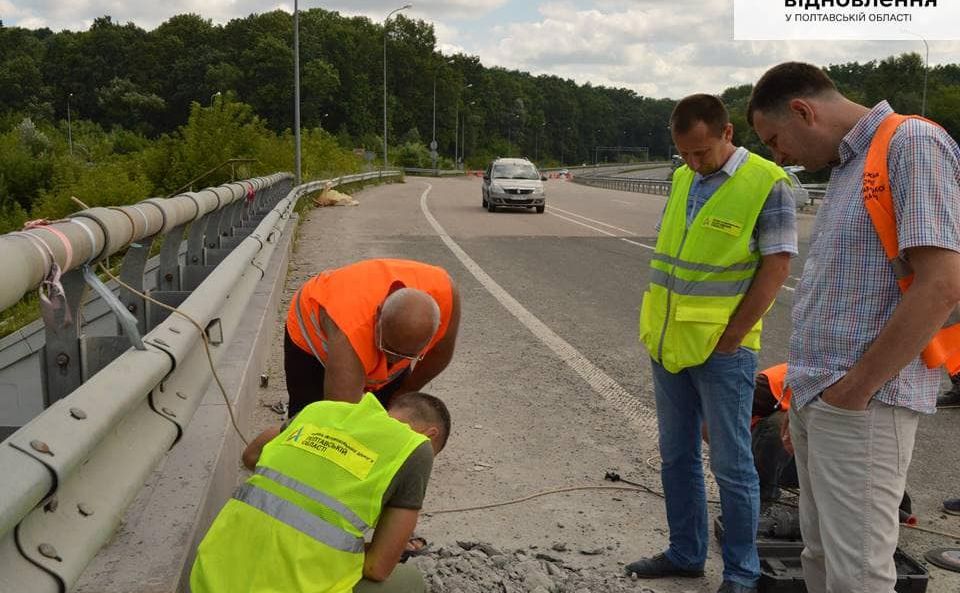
476	567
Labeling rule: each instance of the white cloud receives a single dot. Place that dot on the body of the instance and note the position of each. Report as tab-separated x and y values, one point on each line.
657	48
661	49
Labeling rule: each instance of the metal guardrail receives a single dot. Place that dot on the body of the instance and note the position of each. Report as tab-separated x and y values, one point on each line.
433	172
70	473
661	187
635	184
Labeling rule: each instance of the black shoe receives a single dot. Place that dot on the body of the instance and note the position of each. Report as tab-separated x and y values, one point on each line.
950	399
952	506
731	587
660	566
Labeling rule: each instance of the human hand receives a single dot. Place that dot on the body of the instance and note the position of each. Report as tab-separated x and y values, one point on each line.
727	344
785	434
839	397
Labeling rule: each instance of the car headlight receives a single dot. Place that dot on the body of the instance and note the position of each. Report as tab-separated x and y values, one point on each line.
496	188
538	191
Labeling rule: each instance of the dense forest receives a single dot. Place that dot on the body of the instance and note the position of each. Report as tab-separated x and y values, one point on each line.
116	113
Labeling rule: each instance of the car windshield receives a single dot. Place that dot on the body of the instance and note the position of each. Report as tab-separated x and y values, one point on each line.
515	171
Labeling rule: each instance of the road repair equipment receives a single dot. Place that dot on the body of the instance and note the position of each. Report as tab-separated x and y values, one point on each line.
945	558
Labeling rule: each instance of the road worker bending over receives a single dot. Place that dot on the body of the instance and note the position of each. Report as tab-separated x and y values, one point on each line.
387	326
331	473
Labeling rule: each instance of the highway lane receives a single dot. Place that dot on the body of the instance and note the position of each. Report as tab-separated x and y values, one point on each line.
549	386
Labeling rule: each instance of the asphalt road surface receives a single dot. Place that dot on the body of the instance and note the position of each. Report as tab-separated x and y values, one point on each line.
549	387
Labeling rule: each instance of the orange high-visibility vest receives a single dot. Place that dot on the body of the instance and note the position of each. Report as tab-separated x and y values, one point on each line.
350	296
776	379
776	376
944	349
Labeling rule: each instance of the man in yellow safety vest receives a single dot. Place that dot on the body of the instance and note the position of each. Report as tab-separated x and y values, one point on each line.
334	471
725	242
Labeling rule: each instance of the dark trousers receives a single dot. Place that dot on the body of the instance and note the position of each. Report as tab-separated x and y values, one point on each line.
305	376
775	467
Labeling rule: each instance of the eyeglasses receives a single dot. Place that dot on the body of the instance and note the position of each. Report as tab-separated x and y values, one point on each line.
411	357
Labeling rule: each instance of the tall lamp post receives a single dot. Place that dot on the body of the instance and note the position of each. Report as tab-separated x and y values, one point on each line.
456	127
385	21
926	69
296	92
69	125
463	136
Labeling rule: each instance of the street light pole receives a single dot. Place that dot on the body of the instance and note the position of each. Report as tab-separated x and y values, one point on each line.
463	136
385	24
296	92
926	70
69	125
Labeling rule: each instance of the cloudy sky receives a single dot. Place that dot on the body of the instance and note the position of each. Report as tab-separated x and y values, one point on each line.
659	48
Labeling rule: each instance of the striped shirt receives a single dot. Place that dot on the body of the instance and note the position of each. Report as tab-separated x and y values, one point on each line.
848	291
776	228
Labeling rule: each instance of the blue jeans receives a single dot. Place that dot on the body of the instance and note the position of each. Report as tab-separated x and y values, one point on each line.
720	392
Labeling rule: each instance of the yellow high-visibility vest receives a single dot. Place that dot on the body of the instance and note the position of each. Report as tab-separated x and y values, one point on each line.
297	524
699	274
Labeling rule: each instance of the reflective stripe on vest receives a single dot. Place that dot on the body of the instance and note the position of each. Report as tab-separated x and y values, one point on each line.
701	267
303	329
315	495
700	287
293	516
944	348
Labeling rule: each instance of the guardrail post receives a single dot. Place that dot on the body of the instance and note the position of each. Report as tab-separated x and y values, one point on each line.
61	368
169	271
132	270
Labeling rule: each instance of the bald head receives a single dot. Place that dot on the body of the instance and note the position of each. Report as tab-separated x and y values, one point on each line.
409	318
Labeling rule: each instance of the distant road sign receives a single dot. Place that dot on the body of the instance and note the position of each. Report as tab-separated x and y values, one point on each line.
433	145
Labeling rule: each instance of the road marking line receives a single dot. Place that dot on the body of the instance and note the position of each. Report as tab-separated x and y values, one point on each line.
605	386
594	221
622	202
624	239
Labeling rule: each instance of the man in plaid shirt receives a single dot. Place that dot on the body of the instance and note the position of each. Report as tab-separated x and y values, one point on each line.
859	385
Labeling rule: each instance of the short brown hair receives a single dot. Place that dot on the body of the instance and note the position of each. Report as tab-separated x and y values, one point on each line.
696	108
425	408
790	80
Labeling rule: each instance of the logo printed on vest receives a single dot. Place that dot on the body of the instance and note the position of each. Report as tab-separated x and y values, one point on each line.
730	227
334	446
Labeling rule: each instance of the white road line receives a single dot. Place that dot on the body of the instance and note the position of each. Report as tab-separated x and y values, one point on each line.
594	221
622	202
604	385
624	239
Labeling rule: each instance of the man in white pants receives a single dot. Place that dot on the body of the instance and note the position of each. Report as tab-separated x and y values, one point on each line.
859	384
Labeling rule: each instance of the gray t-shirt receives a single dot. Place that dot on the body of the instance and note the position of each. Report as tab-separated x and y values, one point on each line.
409	485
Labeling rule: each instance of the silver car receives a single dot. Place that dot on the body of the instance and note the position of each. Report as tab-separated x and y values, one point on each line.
513	183
800	193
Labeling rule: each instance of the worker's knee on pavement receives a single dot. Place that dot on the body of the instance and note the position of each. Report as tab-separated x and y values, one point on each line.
404	579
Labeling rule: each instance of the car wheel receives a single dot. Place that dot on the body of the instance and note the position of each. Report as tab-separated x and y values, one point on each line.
540	209
491	207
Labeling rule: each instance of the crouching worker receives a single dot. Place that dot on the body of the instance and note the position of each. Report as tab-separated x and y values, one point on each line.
334	471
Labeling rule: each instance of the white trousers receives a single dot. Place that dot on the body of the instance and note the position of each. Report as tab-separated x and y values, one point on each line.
852	467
